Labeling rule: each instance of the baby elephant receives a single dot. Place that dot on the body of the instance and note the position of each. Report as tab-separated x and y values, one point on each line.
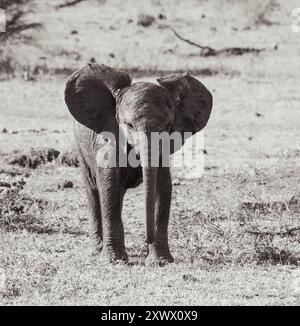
115	119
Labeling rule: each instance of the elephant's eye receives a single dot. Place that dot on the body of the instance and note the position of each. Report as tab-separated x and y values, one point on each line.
130	126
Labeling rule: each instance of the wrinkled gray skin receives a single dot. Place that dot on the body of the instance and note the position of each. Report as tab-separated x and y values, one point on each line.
100	98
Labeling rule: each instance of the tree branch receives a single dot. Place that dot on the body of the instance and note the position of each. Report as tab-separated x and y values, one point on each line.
69	4
208	51
18	29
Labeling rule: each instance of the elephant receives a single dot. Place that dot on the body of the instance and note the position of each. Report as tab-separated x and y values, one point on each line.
101	99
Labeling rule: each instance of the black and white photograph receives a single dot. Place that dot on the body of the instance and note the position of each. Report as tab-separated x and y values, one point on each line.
149	155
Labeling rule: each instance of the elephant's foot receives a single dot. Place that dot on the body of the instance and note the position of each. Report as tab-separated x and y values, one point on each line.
158	255
114	255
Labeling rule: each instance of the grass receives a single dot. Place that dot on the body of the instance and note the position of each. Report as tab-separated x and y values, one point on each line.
234	233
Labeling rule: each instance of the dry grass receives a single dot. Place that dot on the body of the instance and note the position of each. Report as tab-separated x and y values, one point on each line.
234	233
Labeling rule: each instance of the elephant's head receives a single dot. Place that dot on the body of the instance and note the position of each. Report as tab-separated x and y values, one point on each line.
181	104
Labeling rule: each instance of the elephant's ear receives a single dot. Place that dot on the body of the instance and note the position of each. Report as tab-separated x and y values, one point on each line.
89	94
192	100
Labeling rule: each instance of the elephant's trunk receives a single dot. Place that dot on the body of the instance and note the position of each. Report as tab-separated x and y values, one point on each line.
149	181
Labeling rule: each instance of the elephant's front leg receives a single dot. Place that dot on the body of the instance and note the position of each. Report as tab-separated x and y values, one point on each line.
111	197
159	252
95	220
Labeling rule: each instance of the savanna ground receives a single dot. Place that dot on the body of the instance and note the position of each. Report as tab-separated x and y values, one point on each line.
234	233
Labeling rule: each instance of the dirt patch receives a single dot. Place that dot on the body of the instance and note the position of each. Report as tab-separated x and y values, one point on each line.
266	251
19	212
26	222
272	207
35	157
10	292
15	202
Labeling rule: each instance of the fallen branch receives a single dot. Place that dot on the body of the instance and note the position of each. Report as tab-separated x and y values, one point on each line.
69	4
207	51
